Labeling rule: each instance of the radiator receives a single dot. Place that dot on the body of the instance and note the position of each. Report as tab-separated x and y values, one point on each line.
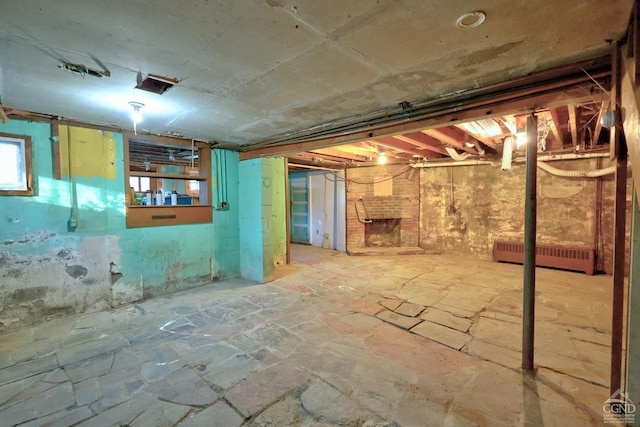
556	256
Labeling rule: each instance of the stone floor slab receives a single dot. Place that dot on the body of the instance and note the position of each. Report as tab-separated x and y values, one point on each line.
409	309
329	404
64	418
122	414
438	333
104	344
49	402
403	322
184	387
258	390
89	368
391	304
218	415
447	319
161	414
28	369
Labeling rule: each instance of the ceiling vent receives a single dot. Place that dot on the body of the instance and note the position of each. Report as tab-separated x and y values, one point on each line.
156	84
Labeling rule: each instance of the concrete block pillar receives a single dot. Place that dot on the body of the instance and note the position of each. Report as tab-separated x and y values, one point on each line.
256	220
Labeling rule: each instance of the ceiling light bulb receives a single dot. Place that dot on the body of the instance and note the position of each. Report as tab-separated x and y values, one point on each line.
521	139
382	158
136	115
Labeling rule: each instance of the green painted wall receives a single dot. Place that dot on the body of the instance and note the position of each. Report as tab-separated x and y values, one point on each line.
45	269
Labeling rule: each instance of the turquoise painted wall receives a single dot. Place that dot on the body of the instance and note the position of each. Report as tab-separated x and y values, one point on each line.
226	222
256	233
45	269
279	211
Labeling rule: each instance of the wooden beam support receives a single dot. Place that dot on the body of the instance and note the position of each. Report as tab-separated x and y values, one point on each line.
456	115
598	128
450	137
553	130
475	137
423	141
395	152
573	124
337	152
390	142
331	159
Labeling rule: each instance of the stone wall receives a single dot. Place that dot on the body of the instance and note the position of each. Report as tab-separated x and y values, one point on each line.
463	209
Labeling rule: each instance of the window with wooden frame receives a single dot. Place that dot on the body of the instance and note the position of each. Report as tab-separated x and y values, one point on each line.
16	175
167	181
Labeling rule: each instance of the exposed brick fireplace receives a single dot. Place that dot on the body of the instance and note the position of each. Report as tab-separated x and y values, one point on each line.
388	197
383	232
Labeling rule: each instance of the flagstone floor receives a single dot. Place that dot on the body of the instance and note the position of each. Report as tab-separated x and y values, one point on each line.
413	340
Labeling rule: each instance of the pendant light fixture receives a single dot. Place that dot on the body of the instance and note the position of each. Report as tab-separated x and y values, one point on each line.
136	115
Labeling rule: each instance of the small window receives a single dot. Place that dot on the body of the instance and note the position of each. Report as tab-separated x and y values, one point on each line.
168	181
15	165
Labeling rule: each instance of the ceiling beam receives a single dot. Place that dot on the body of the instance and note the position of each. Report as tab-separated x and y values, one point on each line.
378	124
423	141
573	124
596	133
324	158
473	136
561	131
392	143
337	152
553	130
521	105
450	137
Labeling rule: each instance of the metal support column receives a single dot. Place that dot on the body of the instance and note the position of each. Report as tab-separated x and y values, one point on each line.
619	145
530	209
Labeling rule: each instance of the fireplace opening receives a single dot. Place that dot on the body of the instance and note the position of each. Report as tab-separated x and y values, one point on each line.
382	232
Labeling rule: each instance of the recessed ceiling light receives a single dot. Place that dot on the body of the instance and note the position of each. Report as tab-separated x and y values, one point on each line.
471	19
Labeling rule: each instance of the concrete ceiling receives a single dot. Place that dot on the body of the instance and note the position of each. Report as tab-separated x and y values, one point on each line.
251	70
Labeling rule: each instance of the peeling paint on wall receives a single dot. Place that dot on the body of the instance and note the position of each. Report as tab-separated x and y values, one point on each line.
464	209
91	153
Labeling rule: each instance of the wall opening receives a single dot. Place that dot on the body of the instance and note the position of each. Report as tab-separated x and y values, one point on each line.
383	232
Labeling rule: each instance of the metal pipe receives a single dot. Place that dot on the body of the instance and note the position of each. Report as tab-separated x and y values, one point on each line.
366	219
437	164
530	208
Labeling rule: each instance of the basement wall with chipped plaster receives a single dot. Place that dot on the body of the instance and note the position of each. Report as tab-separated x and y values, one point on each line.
464	209
49	269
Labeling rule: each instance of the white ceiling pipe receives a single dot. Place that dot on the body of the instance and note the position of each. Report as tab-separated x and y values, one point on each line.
565	156
455	155
576	173
507	152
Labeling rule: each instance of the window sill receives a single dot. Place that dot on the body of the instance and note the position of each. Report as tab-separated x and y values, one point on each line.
151	216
